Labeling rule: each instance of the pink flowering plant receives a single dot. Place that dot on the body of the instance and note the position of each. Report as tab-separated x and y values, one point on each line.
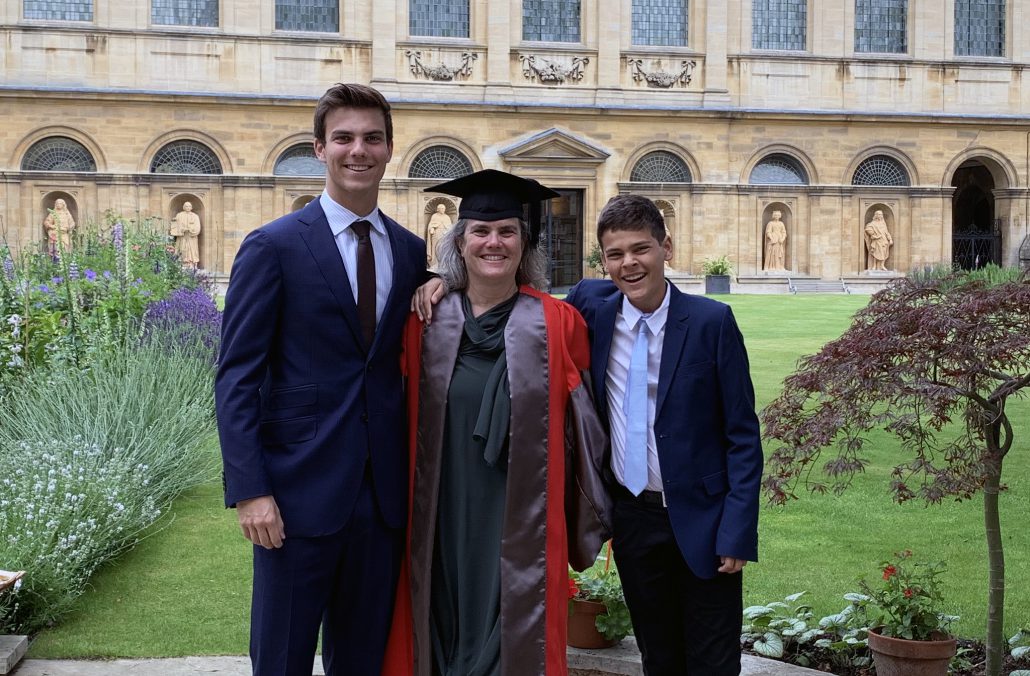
908	601
600	583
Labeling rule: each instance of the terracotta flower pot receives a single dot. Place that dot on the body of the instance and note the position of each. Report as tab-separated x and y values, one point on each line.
582	628
902	657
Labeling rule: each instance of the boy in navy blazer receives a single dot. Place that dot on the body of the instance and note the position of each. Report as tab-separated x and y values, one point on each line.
670	375
310	403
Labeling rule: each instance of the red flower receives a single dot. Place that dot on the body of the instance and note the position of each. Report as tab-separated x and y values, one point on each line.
889	572
573	589
908	593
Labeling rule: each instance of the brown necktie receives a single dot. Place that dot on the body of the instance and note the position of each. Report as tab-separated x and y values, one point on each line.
366	282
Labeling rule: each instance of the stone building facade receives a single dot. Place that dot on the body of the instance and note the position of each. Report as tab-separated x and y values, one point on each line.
723	111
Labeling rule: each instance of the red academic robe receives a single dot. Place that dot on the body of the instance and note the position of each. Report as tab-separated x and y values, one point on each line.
558	511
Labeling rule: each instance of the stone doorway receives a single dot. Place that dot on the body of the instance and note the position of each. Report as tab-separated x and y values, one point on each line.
976	232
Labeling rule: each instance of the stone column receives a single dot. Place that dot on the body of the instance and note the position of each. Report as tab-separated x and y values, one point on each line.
716	92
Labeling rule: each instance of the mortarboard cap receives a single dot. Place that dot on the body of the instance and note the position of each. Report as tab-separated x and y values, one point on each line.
491	195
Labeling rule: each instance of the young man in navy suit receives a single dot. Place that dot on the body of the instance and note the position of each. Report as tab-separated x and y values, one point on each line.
310	403
670	375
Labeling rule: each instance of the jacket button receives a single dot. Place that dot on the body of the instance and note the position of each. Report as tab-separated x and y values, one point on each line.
364	418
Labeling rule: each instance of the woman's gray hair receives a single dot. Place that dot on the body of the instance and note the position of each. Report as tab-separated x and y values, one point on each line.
451	266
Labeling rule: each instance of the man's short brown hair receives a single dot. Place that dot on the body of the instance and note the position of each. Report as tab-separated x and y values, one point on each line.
631	212
342	95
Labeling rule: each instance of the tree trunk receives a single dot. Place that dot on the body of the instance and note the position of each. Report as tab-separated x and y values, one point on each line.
995	555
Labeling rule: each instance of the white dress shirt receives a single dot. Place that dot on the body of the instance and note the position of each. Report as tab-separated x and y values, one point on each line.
340	219
618	375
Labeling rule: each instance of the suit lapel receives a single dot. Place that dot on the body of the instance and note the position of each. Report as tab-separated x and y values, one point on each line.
607	311
672	347
399	266
319	239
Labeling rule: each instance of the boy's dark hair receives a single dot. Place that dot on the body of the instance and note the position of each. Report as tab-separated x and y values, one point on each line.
631	212
342	95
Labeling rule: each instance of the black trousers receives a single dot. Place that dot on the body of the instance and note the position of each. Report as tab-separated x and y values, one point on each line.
683	625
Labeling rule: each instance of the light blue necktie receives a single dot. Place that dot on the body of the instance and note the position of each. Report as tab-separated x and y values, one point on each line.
634	468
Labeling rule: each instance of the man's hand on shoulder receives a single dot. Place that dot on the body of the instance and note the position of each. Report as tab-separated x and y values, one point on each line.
426	296
260	521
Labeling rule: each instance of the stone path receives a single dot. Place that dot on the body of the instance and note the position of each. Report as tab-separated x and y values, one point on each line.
623	660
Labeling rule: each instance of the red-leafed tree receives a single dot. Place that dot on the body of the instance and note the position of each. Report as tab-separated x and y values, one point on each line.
933	362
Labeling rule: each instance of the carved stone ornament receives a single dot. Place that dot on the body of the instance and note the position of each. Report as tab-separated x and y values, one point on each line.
550	72
441	71
658	77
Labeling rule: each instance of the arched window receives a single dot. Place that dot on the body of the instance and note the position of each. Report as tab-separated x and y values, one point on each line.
880	170
439	162
299	160
58	153
778	169
185	157
660	166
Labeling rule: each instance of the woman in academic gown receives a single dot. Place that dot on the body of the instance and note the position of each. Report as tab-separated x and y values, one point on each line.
506	452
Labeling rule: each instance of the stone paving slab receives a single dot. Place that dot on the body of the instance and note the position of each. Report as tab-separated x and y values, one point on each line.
622	660
12	648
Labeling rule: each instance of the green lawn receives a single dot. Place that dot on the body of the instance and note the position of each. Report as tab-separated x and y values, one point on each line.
185	590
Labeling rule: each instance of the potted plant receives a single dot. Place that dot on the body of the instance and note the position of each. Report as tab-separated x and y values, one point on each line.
598	616
717	274
908	633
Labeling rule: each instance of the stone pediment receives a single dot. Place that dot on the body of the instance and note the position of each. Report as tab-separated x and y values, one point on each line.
555	145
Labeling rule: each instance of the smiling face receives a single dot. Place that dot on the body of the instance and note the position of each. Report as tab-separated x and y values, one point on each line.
355	152
492	251
636	262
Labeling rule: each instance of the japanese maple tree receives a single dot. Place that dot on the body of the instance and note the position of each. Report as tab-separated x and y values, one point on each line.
932	361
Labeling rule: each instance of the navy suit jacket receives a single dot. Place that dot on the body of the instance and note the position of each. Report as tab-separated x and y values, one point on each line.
301	406
709	447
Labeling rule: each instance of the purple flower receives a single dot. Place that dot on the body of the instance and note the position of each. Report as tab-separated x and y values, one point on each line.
138	281
187	318
116	236
44	288
90	275
56	280
107	274
8	267
146	293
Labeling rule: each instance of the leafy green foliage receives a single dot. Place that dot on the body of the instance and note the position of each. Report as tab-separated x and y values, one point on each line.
716	266
908	601
784	630
601	583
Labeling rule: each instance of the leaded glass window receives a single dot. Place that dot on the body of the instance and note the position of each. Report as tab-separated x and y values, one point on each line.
778	169
184	12
439	18
660	166
185	157
317	16
881	26
299	160
59	10
980	27
439	162
779	24
58	153
661	23
550	20
880	170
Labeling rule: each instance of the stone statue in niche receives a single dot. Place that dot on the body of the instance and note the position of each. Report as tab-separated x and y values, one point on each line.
775	244
439	223
186	231
59	225
878	242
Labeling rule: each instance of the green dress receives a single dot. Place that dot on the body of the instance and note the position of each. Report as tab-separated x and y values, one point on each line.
465	599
